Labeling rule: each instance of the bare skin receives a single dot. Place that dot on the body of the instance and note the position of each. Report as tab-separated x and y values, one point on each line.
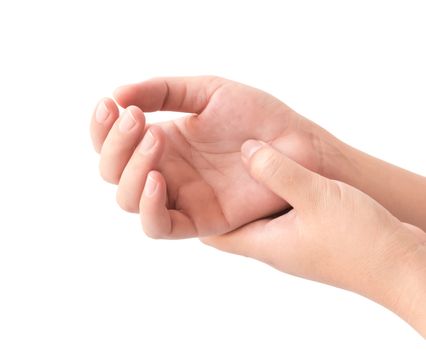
334	234
198	156
189	177
204	185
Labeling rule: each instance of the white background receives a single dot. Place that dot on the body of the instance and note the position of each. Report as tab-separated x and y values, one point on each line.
78	273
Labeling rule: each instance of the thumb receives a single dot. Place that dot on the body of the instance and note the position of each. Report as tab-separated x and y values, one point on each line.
300	187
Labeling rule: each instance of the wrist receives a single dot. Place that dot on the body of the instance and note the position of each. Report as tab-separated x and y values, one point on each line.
338	161
394	188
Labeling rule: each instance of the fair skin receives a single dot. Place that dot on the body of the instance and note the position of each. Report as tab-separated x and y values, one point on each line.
187	178
204	187
198	156
334	234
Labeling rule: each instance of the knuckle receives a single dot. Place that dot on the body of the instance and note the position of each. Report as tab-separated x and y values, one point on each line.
326	194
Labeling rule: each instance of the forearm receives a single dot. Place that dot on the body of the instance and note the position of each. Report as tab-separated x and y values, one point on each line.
412	304
395	275
401	192
407	298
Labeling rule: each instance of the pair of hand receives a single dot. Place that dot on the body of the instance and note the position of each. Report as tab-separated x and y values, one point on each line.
196	176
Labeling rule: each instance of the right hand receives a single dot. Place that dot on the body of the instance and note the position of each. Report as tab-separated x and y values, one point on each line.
201	186
334	234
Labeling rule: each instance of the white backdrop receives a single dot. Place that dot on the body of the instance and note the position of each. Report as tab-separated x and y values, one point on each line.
78	273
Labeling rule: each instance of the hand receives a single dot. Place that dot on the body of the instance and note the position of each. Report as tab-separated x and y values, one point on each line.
201	186
334	234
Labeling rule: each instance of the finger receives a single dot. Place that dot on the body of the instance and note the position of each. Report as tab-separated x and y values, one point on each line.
144	158
104	116
297	185
157	221
180	94
120	143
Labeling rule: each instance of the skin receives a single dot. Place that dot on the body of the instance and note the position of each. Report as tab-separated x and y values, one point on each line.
188	177
334	234
205	188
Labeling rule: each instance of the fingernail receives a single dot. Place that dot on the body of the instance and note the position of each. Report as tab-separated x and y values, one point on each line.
127	121
147	143
102	112
150	186
250	147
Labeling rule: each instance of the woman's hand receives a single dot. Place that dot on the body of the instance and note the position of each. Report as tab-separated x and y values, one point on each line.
201	186
334	234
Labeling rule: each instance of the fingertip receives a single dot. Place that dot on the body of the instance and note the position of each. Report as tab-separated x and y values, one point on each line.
123	94
137	113
112	106
154	216
154	194
157	221
103	117
152	143
250	147
125	204
104	109
151	184
157	133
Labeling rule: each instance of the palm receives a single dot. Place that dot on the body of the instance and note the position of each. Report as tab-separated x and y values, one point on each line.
202	165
